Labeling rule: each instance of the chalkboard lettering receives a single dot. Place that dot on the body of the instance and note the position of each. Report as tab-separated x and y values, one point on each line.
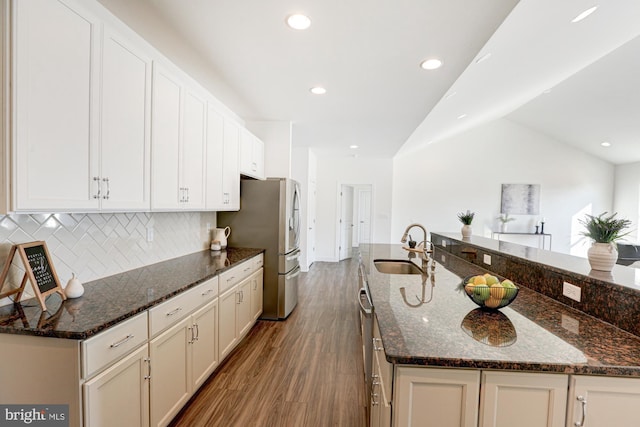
39	263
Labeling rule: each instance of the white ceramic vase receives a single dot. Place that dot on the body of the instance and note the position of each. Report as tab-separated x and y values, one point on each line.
503	227
466	231
602	256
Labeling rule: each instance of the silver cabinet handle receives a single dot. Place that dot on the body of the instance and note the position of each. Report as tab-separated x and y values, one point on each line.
238	301
375	346
148	376
207	292
122	341
96	179
174	311
197	331
583	401
193	338
187	191
106	196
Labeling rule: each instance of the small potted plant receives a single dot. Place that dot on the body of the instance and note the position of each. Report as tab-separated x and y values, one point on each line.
466	218
504	220
604	230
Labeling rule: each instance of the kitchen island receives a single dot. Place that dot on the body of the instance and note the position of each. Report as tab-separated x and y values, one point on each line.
428	325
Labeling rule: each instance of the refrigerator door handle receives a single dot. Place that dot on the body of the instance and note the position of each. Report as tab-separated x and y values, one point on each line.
294	256
292	275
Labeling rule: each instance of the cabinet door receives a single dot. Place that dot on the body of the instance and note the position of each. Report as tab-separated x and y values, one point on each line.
214	199
56	92
125	128
246	152
257	282
525	399
227	321
231	170
193	158
205	347
607	401
436	397
258	158
245	315
165	140
170	374
120	395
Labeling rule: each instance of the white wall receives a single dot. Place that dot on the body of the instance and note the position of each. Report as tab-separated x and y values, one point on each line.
303	170
276	136
334	171
626	197
466	172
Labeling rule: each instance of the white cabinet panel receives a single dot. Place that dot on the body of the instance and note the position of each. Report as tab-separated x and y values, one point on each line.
231	172
251	155
125	128
55	105
192	164
436	397
223	174
227	322
603	401
533	399
204	356
120	395
165	124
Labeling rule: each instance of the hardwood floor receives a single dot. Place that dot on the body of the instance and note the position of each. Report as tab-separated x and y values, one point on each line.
305	371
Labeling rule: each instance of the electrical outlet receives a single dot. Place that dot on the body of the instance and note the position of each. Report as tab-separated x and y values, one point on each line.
443	259
444	243
571	291
149	234
208	227
487	259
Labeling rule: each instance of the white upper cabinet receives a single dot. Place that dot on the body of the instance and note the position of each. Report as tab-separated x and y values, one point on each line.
223	176
82	110
125	127
193	151
251	155
178	144
55	106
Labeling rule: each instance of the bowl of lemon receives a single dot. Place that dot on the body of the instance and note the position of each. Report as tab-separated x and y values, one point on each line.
489	292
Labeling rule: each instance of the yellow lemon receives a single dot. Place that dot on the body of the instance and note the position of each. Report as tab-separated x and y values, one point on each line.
479	280
492	302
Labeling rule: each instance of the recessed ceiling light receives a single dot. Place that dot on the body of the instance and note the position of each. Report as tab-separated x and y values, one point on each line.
462	116
483	58
298	21
584	14
605	144
318	90
431	64
353	146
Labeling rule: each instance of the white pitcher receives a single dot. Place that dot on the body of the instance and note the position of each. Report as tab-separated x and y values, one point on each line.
221	234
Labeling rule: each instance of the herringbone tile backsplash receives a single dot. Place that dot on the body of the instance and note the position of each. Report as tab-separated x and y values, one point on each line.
99	245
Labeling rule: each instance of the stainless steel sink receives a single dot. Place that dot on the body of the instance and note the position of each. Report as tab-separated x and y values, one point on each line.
393	266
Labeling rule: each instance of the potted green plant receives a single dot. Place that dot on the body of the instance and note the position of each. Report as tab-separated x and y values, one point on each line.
504	220
466	218
604	230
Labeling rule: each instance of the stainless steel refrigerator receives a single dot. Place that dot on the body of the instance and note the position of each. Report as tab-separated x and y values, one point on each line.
269	218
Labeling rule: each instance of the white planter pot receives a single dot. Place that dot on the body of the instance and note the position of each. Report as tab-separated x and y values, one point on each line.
466	231
602	256
503	227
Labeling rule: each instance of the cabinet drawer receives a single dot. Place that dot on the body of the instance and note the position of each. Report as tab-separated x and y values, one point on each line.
258	262
207	291
231	277
171	311
110	345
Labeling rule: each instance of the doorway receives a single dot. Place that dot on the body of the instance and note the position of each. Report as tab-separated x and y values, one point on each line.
354	222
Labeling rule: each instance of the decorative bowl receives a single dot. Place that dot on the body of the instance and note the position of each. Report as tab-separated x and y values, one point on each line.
493	294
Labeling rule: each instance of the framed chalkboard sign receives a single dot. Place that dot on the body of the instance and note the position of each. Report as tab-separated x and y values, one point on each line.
39	270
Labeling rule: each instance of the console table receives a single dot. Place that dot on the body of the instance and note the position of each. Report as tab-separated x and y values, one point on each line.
542	237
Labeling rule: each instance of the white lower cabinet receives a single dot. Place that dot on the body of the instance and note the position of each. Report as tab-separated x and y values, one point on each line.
181	359
228	329
119	396
257	282
170	376
428	397
603	402
204	356
531	399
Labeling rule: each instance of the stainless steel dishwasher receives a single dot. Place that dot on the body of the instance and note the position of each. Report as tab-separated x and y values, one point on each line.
366	326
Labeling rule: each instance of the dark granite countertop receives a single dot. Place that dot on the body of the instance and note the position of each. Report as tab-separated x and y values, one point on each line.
534	333
113	299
